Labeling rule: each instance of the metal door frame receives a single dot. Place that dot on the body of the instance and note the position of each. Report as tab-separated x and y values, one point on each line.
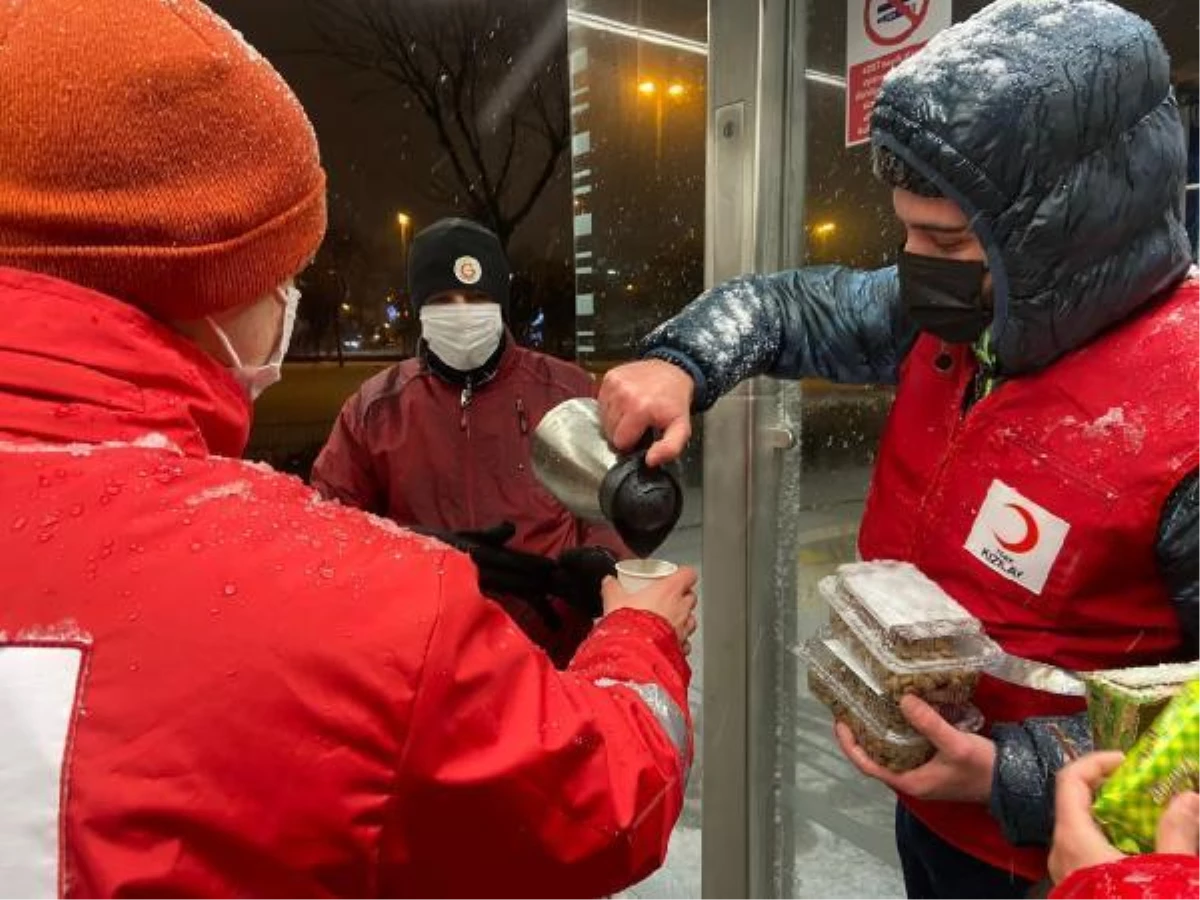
754	222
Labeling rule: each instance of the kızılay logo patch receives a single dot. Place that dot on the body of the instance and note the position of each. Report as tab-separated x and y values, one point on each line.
1016	537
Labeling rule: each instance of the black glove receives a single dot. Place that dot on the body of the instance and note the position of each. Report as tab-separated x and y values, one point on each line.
511	573
578	576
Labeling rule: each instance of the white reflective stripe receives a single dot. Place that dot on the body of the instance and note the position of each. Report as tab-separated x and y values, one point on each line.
37	700
665	712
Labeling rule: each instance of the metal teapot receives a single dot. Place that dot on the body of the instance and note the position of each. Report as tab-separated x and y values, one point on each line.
574	461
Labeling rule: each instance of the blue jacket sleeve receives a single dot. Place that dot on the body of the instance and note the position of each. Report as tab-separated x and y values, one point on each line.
829	322
1178	552
1028	757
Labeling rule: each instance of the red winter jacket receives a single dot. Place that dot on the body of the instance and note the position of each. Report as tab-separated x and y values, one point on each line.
1038	511
1154	876
425	453
216	684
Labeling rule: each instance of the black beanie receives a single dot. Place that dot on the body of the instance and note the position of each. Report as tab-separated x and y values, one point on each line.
457	255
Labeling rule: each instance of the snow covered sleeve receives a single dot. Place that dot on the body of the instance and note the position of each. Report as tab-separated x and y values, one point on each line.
831	322
1028	757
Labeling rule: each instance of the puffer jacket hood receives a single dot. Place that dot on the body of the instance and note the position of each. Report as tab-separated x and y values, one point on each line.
1052	124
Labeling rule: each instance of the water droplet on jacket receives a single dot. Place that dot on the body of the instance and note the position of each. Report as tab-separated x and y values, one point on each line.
133	616
45	536
44	480
60	474
106	548
196	547
230	589
325	571
133	667
62	411
19	522
213	611
77	510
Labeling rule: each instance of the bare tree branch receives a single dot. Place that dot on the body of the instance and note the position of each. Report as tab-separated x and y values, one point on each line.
488	76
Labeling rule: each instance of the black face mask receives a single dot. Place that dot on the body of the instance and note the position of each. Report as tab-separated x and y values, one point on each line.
944	297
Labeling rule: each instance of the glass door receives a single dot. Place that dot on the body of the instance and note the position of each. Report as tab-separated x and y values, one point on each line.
638	97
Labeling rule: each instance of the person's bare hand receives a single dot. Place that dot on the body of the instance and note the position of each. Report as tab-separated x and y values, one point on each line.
1179	827
647	394
673	598
1078	840
961	768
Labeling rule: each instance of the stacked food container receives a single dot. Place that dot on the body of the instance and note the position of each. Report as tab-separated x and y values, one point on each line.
892	632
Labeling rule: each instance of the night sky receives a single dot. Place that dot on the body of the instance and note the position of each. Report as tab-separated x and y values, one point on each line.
378	147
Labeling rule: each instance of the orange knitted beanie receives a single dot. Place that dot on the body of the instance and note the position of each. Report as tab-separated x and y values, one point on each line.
147	152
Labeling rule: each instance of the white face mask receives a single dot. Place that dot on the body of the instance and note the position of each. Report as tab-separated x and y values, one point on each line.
462	335
256	379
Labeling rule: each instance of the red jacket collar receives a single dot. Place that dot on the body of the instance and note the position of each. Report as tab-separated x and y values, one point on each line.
77	366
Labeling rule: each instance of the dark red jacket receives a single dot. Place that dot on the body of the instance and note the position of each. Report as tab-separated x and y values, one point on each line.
1153	876
1038	510
406	446
217	684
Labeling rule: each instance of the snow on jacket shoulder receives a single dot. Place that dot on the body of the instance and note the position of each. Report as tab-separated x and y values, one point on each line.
249	691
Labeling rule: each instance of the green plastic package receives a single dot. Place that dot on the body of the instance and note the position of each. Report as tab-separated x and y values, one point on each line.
1123	703
1161	764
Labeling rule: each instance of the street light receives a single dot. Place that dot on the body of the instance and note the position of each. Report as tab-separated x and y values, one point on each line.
650	88
822	232
404	220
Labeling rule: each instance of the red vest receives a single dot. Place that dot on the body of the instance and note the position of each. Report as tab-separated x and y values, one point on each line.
1038	511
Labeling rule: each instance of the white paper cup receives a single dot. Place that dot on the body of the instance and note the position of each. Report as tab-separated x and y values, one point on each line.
636	574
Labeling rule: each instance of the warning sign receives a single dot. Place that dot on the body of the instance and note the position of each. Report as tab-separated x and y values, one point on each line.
880	34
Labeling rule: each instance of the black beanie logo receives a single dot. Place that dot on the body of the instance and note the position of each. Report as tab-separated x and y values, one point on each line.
468	270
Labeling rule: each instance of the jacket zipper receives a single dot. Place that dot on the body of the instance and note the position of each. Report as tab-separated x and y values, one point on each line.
522	419
464	403
984	380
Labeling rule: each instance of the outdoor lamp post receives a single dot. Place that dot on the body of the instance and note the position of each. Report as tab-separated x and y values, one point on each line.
651	89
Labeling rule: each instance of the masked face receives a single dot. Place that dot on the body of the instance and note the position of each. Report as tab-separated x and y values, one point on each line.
945	297
256	379
462	335
944	283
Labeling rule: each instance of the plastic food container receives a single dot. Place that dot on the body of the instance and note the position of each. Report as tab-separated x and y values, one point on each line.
942	672
834	657
904	610
893	745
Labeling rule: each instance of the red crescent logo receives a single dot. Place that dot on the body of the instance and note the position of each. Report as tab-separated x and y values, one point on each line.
1032	535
